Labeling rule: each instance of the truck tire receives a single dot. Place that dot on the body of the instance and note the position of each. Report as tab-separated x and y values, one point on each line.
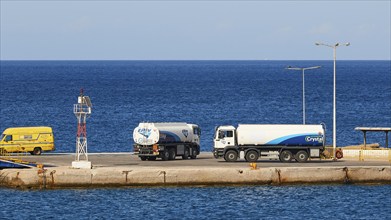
252	156
194	153
172	154
37	151
143	158
151	158
186	154
231	156
165	155
301	156
286	156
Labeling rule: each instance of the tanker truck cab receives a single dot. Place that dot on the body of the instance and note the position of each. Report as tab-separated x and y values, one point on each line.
196	133
224	139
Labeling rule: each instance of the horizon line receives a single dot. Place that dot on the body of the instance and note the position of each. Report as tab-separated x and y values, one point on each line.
193	60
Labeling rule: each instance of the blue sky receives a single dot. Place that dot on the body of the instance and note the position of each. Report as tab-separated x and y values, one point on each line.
194	30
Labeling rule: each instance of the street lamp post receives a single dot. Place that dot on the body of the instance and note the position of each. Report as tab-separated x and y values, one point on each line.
303	69
334	94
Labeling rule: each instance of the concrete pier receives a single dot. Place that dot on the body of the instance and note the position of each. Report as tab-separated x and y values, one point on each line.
116	170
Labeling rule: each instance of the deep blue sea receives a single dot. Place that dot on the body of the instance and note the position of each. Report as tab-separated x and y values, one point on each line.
248	202
207	93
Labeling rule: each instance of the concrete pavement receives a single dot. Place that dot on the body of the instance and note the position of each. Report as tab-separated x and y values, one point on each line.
124	169
205	159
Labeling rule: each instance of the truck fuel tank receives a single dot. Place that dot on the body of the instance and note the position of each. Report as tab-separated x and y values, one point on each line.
288	135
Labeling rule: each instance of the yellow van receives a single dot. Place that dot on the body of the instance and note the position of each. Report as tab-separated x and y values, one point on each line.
27	139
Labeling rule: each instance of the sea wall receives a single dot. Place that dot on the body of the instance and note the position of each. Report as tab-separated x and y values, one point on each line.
378	154
65	177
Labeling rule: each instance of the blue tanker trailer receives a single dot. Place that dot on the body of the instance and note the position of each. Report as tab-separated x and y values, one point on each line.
251	141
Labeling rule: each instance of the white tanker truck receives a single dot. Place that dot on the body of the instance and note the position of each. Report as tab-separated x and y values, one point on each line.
166	140
251	141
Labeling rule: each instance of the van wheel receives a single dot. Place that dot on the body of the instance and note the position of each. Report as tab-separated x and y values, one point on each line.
231	156
172	154
37	151
252	156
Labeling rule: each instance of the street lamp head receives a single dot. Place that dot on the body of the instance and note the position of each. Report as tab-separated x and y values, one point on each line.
302	68
332	45
293	68
344	44
314	67
322	44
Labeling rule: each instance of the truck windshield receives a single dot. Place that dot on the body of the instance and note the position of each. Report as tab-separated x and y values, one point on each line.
2	136
225	133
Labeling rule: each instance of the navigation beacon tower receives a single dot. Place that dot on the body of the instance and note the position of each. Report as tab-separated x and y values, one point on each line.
82	110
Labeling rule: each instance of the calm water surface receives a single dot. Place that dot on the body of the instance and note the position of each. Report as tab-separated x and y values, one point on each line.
208	93
251	202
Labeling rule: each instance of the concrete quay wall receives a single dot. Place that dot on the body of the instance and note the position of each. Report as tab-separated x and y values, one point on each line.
378	154
66	177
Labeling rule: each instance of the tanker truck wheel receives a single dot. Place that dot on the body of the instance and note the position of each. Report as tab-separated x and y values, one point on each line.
151	158
301	156
194	153
143	158
286	156
165	155
231	156
252	156
172	154
186	154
